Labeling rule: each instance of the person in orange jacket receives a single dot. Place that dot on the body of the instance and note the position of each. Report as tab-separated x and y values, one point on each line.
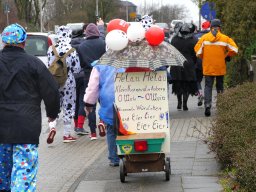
214	48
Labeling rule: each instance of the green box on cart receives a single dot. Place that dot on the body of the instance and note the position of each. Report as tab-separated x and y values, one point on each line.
140	143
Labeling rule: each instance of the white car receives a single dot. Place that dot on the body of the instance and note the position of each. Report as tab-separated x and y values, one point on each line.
75	26
37	44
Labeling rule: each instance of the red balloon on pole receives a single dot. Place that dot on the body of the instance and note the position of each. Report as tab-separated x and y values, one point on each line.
154	35
117	24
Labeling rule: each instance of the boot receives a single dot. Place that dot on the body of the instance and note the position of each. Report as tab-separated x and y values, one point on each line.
207	112
179	102
185	99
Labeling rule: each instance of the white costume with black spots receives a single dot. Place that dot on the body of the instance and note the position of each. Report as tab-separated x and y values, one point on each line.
147	21
68	91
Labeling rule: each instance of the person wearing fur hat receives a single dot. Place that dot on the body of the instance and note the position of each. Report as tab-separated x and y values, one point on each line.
24	83
68	90
184	78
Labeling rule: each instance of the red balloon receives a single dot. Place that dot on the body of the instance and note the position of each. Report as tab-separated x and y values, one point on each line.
154	35
117	24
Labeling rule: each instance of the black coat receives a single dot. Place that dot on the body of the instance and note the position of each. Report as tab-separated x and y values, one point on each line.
186	47
184	78
90	49
24	83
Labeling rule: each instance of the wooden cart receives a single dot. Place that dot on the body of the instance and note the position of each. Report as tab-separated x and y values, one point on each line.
141	152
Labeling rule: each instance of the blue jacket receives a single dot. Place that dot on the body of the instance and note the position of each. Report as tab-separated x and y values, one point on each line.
101	86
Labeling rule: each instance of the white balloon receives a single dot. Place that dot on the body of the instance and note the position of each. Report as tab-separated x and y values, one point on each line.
136	32
116	40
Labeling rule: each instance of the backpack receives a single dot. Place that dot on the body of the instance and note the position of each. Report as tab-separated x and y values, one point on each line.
59	67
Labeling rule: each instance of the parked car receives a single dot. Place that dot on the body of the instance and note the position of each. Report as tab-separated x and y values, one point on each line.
37	44
75	26
1	43
165	27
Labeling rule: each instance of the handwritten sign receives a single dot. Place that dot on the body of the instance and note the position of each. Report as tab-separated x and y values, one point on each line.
142	99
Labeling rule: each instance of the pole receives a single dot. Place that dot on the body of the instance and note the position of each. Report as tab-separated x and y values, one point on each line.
127	14
161	14
200	6
97	8
7	11
7	17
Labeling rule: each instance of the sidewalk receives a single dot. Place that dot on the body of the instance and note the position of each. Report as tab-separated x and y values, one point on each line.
83	166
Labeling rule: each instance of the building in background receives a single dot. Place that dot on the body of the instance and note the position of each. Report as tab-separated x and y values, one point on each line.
127	11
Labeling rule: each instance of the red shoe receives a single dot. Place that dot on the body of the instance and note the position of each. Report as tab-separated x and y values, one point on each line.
68	139
93	136
51	135
102	129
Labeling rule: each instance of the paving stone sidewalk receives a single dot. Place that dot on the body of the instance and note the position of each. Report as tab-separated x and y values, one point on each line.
83	166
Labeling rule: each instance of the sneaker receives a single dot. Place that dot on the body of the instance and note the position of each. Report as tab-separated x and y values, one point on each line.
68	139
113	164
207	111
81	131
51	135
102	129
200	100
93	136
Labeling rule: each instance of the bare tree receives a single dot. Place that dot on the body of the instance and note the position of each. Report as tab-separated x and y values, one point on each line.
165	13
29	12
61	12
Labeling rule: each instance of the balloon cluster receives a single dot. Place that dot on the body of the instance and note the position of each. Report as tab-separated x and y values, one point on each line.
120	33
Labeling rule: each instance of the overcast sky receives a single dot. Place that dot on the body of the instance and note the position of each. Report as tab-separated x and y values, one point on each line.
192	8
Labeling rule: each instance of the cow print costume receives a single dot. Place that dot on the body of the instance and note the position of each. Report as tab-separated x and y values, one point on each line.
68	91
147	21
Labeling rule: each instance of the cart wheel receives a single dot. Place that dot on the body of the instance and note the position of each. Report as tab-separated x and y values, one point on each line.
125	171
168	159
167	169
122	170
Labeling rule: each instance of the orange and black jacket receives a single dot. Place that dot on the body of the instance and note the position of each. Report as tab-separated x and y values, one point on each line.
213	50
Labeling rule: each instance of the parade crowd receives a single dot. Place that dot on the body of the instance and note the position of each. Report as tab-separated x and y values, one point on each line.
25	81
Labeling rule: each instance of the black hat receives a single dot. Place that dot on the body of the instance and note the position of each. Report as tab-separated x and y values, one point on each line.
215	23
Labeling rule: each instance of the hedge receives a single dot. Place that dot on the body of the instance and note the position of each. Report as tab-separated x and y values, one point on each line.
234	133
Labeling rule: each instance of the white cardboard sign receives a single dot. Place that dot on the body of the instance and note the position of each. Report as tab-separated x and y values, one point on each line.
142	99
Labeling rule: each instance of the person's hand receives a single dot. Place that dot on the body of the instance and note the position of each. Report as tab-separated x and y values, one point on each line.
52	122
100	22
50	119
88	110
227	58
